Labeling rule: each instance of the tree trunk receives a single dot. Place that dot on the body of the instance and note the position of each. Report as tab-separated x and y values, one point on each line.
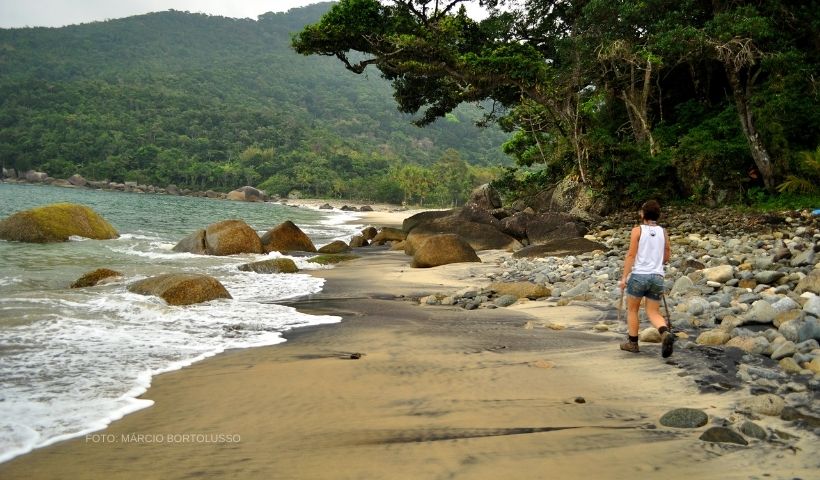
760	154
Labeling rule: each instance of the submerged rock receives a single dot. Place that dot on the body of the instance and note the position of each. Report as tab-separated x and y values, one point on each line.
276	265
181	288
56	223
95	277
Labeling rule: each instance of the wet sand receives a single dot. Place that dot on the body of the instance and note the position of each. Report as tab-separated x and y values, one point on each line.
438	392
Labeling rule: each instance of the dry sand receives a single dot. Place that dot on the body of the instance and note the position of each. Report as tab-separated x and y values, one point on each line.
439	392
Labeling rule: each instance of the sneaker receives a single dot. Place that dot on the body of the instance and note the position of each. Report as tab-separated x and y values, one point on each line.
630	347
667	344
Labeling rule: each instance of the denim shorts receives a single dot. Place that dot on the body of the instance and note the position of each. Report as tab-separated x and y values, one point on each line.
645	285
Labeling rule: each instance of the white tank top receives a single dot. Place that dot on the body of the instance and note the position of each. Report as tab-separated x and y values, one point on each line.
651	246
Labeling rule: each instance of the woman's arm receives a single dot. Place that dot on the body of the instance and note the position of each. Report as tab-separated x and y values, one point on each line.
634	237
667	249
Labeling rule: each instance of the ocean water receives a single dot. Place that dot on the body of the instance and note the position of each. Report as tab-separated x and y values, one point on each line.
73	360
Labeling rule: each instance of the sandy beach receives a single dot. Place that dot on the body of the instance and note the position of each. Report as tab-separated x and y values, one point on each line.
436	392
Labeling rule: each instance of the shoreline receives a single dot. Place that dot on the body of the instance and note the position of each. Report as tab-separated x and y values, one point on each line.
436	392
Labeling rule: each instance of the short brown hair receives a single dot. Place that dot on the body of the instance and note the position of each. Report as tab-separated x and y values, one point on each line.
651	210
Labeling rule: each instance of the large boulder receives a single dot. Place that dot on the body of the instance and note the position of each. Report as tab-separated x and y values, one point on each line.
36	177
552	226
516	224
389	234
442	250
77	180
569	196
274	265
368	233
480	236
181	288
193	243
287	237
247	194
474	213
485	197
336	246
55	223
560	248
228	237
413	221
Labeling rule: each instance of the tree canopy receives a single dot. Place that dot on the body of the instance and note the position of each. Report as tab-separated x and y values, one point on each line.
689	98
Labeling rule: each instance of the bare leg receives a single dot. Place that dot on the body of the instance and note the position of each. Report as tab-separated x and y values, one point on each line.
632	321
654	313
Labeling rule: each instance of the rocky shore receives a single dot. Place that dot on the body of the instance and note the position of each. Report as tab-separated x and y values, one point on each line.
742	297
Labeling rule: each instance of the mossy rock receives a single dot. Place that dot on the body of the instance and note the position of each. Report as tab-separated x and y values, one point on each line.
181	288
276	265
332	259
55	223
91	279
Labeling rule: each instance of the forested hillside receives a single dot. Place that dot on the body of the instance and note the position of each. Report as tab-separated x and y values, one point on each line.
708	100
213	102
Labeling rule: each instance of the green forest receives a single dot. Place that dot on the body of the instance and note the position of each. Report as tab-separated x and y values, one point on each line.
709	101
208	102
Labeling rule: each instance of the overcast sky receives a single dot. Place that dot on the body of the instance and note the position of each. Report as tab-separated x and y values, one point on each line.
57	13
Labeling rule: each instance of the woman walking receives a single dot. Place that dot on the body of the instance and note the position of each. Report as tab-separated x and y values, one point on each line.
643	277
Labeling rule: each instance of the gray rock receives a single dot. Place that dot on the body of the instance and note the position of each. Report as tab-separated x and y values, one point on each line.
761	312
809	330
785	349
785	304
812	306
751	429
684	418
579	289
804	259
807	346
723	435
769	276
791	330
506	300
682	285
749	298
759	372
762	263
697	306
